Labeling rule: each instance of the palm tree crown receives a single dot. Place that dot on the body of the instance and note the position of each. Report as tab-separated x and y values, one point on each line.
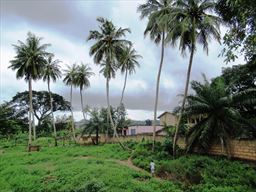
109	42
51	70
70	73
30	58
219	109
82	75
129	60
191	21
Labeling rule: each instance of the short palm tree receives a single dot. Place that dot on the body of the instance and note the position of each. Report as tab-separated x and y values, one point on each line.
158	13
128	63
95	124
82	76
29	63
193	23
221	117
52	72
69	79
109	43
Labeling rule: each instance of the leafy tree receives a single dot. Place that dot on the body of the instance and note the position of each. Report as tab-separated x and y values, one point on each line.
221	119
11	122
69	79
192	22
158	12
29	62
240	15
148	122
52	72
128	64
106	50
41	104
82	75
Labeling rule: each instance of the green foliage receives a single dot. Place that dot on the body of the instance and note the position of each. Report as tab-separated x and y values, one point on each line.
203	174
240	16
221	118
72	169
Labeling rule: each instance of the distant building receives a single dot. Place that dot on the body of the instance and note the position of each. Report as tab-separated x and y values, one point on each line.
168	118
140	130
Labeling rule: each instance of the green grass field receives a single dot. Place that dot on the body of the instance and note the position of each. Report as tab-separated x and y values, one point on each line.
72	168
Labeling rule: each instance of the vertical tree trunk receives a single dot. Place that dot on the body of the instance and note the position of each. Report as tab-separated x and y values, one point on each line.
72	115
51	105
97	136
193	40
82	104
33	123
184	100
157	90
125	80
109	111
30	111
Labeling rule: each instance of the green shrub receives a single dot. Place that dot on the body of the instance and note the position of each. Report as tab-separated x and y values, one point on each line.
93	186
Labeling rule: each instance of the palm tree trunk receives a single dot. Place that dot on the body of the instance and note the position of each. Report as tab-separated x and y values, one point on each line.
82	104
33	123
157	90
184	99
30	111
125	80
51	105
109	111
72	115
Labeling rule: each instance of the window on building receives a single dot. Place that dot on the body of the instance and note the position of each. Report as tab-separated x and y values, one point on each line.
133	131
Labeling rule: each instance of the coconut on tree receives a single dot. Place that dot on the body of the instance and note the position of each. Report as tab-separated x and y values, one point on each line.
29	62
69	79
109	44
158	13
52	72
192	22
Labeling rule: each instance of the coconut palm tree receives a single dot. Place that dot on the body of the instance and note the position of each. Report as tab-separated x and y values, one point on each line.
193	23
221	117
158	13
29	62
52	72
109	43
128	64
69	79
82	76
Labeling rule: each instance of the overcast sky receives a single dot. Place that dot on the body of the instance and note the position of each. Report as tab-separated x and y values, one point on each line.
66	25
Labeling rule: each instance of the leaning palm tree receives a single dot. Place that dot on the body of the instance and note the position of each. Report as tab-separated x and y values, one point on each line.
128	64
220	115
108	46
29	63
81	80
52	72
69	79
193	23
158	13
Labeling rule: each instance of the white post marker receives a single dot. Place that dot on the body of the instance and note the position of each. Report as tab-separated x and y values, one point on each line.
152	167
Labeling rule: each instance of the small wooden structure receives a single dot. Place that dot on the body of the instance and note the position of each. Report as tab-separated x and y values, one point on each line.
33	148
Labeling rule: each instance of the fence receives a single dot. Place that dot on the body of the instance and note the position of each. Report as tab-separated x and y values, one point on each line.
242	149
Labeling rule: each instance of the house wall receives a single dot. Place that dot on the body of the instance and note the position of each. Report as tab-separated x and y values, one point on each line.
142	129
168	119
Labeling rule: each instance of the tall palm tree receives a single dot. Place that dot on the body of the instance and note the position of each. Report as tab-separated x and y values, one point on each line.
108	46
158	13
128	64
69	79
221	117
29	62
52	72
193	23
82	76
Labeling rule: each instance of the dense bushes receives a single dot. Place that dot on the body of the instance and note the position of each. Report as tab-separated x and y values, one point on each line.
196	173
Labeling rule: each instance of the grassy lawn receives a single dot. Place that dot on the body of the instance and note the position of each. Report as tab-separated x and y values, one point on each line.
71	168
